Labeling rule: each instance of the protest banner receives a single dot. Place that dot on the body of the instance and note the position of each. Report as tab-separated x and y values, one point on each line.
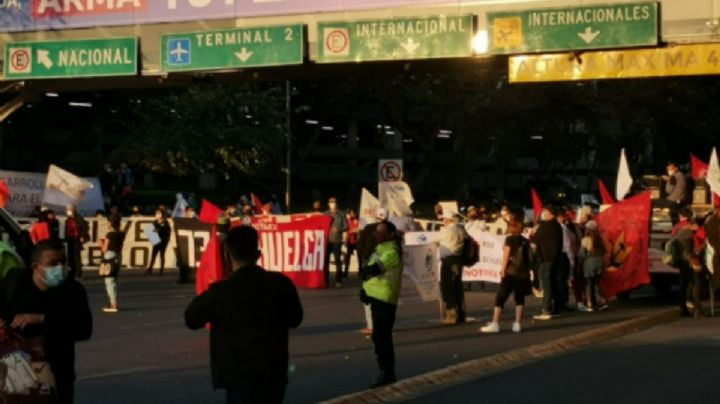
396	196
191	238
295	245
625	230
63	188
369	205
420	263
489	264
26	192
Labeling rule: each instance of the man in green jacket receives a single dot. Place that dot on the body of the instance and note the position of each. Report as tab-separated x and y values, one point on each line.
381	289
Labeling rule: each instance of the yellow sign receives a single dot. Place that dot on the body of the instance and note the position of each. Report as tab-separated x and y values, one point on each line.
507	32
681	60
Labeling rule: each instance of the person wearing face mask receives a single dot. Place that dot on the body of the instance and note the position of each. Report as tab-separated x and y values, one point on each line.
162	228
76	234
45	302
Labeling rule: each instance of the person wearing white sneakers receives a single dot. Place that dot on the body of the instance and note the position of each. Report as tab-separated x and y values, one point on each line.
515	276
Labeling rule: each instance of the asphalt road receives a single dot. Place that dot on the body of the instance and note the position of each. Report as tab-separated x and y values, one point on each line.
144	353
670	363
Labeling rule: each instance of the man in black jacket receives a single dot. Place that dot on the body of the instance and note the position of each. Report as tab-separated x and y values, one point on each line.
76	234
249	313
46	302
549	242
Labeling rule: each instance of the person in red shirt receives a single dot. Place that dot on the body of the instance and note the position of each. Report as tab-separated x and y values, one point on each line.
76	234
40	230
352	239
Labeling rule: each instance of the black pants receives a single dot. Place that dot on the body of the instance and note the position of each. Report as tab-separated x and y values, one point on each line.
74	260
383	317
158	249
451	285
519	285
255	393
689	279
334	249
349	250
545	275
591	285
560	282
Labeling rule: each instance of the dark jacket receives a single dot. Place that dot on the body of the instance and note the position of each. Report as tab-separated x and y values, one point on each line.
67	318
249	314
163	230
366	240
549	240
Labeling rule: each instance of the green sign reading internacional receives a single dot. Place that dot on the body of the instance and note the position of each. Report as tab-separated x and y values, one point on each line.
233	48
587	27
72	58
395	39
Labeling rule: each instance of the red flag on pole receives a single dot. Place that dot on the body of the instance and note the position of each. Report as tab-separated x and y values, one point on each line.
625	230
699	167
537	203
257	204
605	196
4	194
210	269
208	212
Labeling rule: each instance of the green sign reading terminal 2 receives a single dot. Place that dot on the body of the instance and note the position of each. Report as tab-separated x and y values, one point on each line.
72	58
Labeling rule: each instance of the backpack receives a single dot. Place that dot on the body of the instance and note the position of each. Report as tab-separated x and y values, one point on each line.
521	260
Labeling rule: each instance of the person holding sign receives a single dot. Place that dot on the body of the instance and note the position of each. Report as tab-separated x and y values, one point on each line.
162	228
515	274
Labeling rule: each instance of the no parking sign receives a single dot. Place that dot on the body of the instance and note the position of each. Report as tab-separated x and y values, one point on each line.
390	170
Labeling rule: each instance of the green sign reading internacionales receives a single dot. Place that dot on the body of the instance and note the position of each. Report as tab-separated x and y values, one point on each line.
233	48
395	39
589	27
72	58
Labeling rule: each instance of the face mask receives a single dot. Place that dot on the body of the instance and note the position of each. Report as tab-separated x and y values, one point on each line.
54	276
69	213
332	205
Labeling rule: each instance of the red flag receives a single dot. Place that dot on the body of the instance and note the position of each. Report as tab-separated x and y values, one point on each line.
716	200
625	229
257	203
537	203
209	213
4	194
210	269
605	196
699	167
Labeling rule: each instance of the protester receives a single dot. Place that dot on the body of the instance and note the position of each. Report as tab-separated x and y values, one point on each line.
381	289
249	314
338	227
549	241
366	247
592	262
111	247
352	239
565	262
675	189
162	228
40	230
452	240
680	247
76	234
44	301
53	224
317	206
515	275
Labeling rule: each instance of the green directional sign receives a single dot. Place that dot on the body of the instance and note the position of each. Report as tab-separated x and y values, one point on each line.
232	48
395	39
587	27
72	58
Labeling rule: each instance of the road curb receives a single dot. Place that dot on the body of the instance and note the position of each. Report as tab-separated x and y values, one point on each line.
464	372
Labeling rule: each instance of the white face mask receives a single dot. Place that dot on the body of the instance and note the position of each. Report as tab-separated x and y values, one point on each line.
69	212
332	205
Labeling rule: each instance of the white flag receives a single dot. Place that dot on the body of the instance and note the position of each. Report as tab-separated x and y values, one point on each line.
180	206
624	179
396	196
64	188
713	173
369	205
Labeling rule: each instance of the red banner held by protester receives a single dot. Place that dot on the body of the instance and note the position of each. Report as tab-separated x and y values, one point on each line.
209	213
605	196
210	269
625	229
537	203
257	204
295	245
699	167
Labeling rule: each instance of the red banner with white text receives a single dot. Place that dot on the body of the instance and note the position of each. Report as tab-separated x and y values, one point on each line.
625	229
295	245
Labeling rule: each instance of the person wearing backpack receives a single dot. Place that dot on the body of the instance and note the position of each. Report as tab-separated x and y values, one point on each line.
515	276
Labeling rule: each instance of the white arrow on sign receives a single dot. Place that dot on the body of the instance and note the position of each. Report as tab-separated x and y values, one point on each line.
243	55
44	58
410	45
588	36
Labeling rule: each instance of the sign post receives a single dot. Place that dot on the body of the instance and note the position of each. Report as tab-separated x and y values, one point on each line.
232	48
70	59
587	27
395	39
